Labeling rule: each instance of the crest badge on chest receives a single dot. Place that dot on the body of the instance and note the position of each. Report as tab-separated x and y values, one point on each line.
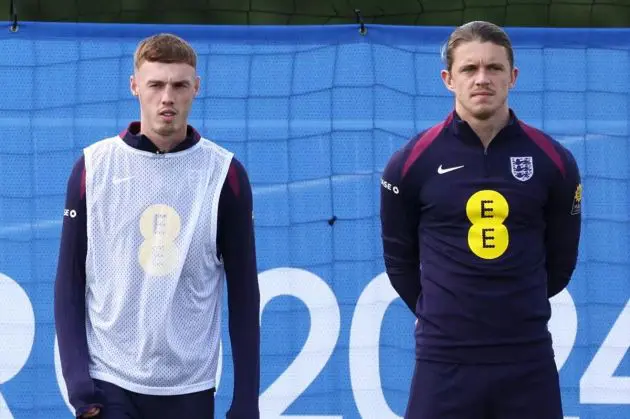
522	168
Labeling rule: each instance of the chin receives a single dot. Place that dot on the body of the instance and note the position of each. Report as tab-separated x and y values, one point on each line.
167	130
483	112
165	133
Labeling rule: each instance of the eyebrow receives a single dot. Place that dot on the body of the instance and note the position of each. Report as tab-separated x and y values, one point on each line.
183	81
474	64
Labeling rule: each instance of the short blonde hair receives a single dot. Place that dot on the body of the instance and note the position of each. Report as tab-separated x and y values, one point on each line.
164	48
477	31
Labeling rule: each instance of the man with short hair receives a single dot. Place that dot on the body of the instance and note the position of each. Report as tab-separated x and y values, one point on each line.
480	228
161	216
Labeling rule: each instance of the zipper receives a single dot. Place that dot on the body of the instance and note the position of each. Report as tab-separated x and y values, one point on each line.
485	161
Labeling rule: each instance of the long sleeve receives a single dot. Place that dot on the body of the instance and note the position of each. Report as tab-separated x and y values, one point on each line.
563	219
399	231
69	297
237	248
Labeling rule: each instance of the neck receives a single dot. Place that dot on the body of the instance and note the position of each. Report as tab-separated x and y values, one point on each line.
164	143
487	129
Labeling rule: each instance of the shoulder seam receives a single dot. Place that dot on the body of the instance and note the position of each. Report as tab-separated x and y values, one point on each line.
206	142
425	139
544	142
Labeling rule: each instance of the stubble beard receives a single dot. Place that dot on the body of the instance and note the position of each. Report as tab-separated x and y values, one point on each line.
487	113
166	131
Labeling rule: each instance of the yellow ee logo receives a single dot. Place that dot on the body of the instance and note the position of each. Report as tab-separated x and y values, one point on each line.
488	237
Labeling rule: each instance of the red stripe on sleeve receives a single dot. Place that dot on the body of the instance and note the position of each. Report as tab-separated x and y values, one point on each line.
423	142
545	144
83	183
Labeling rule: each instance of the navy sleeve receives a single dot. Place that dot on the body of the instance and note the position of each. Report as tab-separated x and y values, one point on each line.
236	244
69	297
400	216
563	220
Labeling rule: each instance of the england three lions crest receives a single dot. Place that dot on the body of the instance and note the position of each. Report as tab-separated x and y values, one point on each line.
522	168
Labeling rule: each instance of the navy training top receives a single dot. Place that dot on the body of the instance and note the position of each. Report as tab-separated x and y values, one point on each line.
476	240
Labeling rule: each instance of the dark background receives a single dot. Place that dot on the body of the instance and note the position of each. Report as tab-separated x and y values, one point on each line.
548	13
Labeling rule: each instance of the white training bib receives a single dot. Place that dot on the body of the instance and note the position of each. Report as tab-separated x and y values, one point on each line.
154	283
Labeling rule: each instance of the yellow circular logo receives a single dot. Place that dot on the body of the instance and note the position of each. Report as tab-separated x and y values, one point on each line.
488	237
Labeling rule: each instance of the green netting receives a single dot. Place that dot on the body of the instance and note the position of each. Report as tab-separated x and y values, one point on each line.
548	13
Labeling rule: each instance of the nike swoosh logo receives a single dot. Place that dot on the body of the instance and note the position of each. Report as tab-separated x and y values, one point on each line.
118	180
441	170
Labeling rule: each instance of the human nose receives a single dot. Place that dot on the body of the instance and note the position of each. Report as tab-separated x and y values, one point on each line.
167	95
481	78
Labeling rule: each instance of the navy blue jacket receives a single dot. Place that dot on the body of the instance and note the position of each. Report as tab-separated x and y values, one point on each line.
476	240
235	243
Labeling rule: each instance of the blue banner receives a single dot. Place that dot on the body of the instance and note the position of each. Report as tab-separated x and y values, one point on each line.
314	113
